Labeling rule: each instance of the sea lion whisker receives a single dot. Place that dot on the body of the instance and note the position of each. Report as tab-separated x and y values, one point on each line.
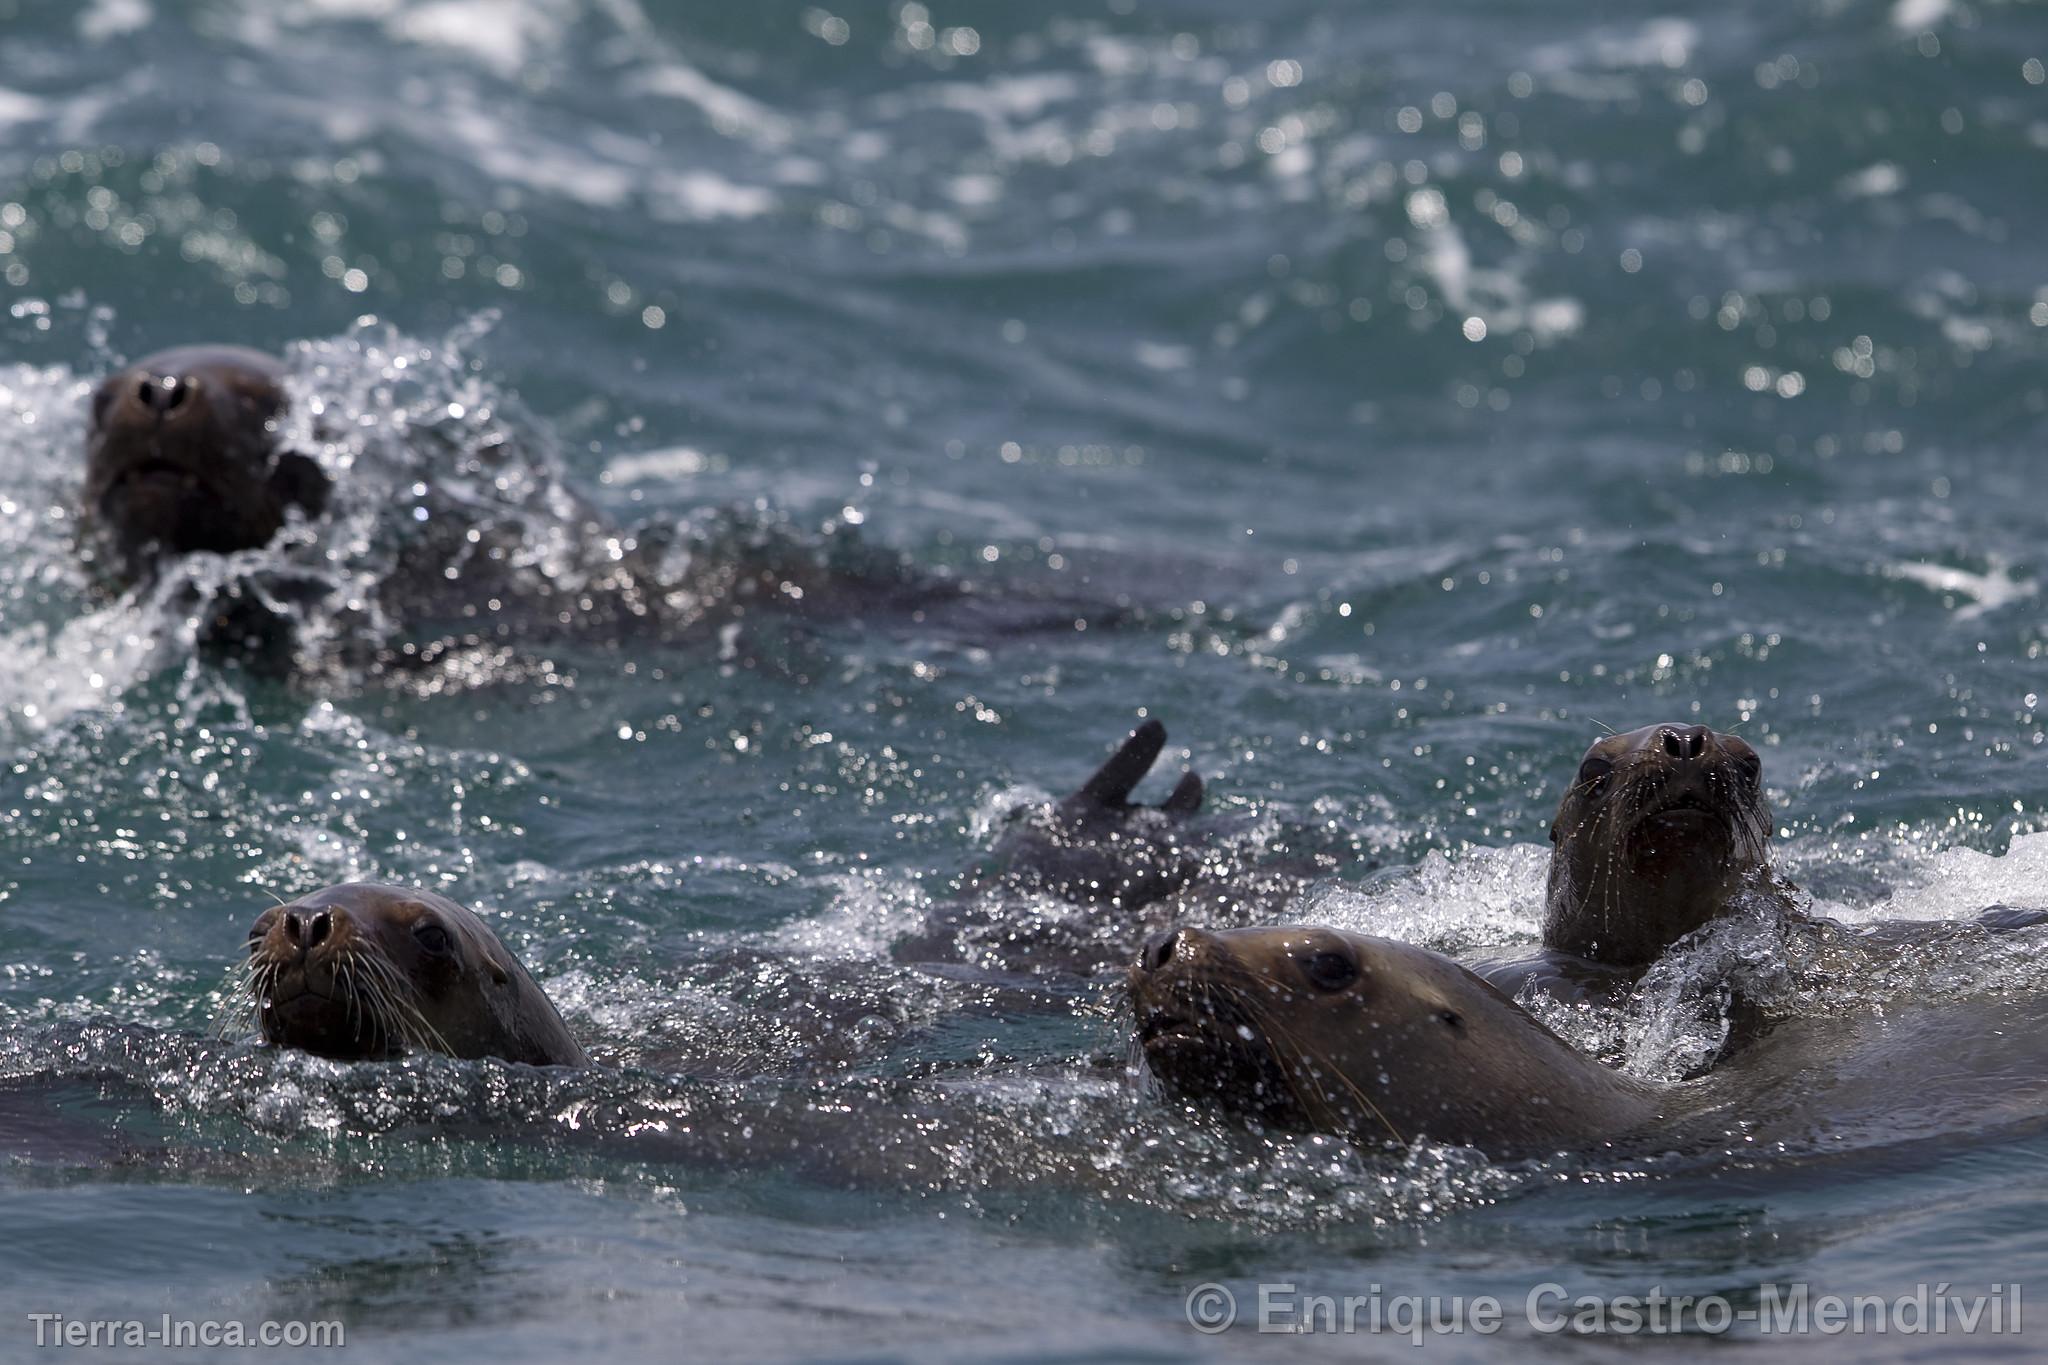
379	1009
367	970
385	996
1277	1033
237	992
405	1010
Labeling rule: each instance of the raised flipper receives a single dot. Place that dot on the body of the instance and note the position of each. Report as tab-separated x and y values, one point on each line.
1108	791
1097	845
1113	781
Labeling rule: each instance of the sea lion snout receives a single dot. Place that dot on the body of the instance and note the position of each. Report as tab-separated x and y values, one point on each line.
302	946
163	394
1162	949
310	931
1652	833
1685	742
183	456
294	933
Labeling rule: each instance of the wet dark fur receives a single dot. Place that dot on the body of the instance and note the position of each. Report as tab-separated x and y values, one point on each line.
1661	826
362	971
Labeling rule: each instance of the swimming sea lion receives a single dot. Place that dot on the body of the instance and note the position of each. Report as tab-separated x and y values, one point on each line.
361	970
1096	846
1317	1030
1660	826
1092	848
183	456
481	554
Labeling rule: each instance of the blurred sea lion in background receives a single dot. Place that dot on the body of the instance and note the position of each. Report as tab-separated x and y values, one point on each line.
484	551
183	456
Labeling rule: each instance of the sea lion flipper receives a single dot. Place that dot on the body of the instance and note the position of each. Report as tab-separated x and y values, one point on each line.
1112	783
1186	798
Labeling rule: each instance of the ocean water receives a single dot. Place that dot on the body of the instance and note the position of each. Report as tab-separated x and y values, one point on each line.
1398	393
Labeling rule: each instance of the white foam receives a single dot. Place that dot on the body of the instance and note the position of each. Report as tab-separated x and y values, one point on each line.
1879	178
657	466
1498	296
1476	898
1959	883
730	112
1981	592
867	916
501	34
1916	16
16	107
704	196
1164	356
103	19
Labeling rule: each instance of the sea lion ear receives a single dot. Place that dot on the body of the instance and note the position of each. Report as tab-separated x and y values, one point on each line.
500	973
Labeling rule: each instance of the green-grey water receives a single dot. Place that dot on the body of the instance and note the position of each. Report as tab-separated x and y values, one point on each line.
1400	392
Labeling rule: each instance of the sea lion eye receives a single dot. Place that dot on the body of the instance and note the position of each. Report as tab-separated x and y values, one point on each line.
1330	970
433	938
1454	1019
1593	774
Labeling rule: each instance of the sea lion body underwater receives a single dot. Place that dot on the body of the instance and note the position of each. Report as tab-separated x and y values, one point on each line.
1070	885
362	970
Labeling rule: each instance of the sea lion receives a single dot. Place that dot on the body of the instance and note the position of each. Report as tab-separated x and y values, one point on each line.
454	568
1658	829
1097	846
1317	1030
361	970
182	456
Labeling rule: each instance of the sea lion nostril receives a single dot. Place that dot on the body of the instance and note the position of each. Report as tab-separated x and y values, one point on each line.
1689	742
1158	950
161	393
291	928
318	930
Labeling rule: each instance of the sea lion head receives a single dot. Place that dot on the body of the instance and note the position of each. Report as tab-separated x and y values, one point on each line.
1659	827
183	456
360	970
1313	1029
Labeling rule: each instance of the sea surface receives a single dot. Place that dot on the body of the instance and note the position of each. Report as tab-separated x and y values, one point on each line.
1398	394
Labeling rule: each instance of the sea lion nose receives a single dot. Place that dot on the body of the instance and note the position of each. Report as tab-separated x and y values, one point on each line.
1158	950
307	932
161	393
1684	741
